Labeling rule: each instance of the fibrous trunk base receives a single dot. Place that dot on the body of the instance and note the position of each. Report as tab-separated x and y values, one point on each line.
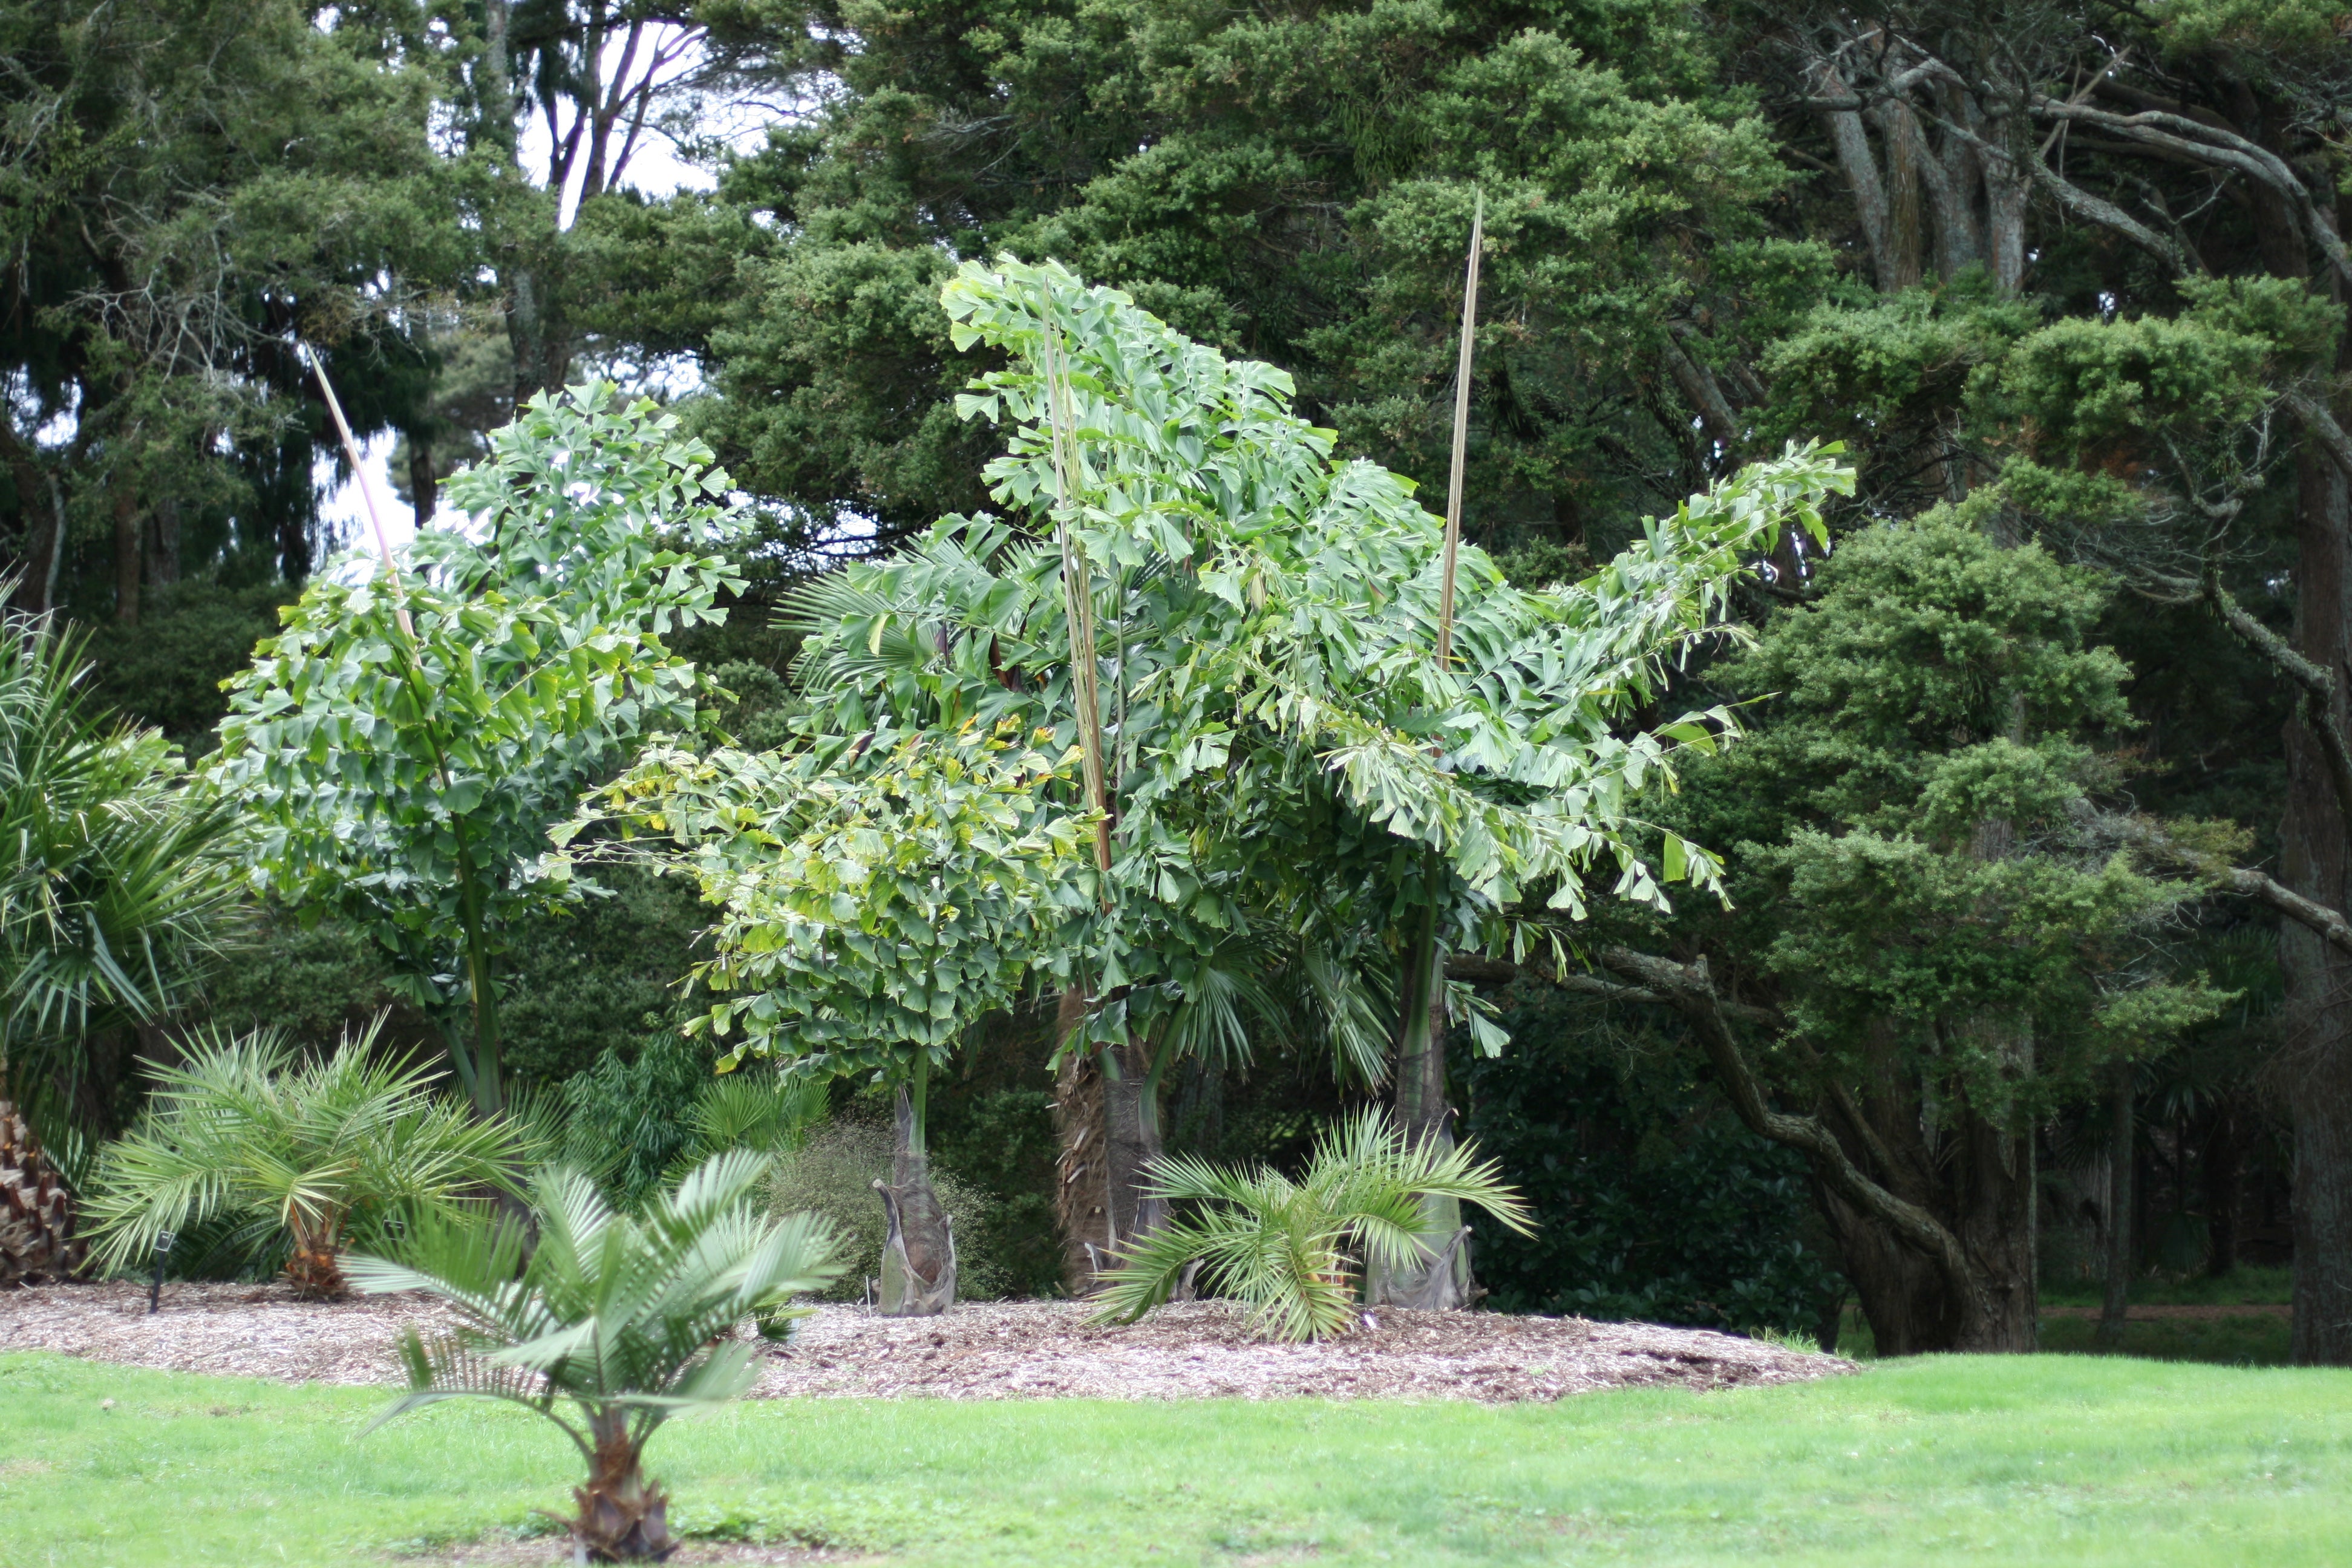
37	1244
918	1259
623	1517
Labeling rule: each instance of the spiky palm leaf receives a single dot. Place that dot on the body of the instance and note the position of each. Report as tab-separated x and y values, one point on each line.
1293	1251
623	1316
320	1148
112	887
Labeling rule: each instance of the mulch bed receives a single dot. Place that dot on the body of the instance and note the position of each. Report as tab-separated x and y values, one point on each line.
980	1350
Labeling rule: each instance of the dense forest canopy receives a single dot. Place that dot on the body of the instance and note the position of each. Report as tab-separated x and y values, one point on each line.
2067	692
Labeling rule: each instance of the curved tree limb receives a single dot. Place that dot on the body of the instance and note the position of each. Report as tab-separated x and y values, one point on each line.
2324	428
1479	970
1690	991
2317	705
2214	145
2327	924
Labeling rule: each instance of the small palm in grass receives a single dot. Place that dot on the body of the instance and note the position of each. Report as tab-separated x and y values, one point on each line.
328	1149
1295	1250
625	1316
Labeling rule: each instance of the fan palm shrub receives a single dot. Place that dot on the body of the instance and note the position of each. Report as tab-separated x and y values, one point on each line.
1295	1251
114	889
625	1317
326	1151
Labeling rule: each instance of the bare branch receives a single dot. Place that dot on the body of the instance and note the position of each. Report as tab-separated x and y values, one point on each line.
2317	707
1691	992
2151	839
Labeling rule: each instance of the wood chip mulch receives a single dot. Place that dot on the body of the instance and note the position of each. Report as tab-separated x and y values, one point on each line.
980	1350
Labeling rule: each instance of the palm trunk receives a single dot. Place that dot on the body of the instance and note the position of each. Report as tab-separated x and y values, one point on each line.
316	1268
1132	1145
918	1261
1081	1171
622	1516
2117	1305
1442	1282
37	1244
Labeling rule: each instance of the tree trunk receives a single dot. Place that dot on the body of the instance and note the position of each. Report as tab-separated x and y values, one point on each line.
164	564
41	515
2318	999
1442	1282
1081	1195
423	484
622	1516
1132	1143
1977	1180
2224	1178
1901	1293
126	558
1996	1228
537	328
919	1260
2118	1260
37	1244
315	1270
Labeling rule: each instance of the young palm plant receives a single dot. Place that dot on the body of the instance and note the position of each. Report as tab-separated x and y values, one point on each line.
1295	1251
625	1316
327	1149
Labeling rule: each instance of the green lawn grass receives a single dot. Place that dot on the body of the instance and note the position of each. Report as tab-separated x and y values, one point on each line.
2047	1459
2238	1339
2239	1287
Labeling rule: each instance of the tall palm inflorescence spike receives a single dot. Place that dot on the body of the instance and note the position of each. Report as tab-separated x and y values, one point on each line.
628	1319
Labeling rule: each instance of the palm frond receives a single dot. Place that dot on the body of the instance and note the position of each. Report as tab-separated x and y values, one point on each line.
615	1313
1283	1248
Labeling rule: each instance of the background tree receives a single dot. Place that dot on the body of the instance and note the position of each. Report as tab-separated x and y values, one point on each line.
183	189
1935	995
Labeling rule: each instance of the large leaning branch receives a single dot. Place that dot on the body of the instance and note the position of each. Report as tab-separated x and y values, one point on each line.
1480	970
2317	706
2327	924
1690	991
2324	428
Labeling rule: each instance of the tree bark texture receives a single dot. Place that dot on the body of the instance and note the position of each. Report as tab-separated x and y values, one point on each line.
164	561
2316	861
919	1257
1132	1144
1081	1194
127	553
1424	1115
2116	1307
622	1516
1975	1178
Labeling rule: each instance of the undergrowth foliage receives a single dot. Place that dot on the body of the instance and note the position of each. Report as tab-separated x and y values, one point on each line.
1295	1251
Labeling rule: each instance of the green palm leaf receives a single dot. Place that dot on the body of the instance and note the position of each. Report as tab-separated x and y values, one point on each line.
620	1315
1293	1251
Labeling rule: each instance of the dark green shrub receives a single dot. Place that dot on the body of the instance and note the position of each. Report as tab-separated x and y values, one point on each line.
1652	1201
